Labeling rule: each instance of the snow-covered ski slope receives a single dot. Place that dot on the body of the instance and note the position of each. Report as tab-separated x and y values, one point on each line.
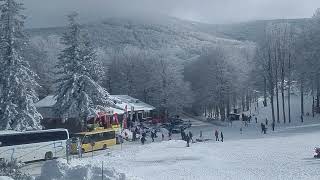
270	157
285	154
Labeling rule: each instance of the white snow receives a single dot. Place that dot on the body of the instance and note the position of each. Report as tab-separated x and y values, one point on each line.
5	178
274	156
78	170
48	101
268	158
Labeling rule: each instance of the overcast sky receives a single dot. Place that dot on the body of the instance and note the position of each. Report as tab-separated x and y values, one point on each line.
44	13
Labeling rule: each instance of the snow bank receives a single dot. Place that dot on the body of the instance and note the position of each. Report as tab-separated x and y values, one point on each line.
78	170
5	178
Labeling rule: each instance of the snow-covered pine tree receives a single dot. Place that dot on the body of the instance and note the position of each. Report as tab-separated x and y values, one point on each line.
17	90
78	94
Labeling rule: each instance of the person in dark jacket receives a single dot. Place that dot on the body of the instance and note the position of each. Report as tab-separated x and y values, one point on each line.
190	136
152	136
256	119
262	127
217	135
183	134
188	140
273	124
266	121
143	140
221	135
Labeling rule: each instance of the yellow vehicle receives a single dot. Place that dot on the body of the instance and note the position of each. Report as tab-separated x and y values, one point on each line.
95	140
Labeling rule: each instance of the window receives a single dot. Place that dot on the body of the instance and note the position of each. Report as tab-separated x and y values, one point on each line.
34	137
109	135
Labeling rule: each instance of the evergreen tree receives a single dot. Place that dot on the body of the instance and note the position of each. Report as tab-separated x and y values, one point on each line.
78	94
17	89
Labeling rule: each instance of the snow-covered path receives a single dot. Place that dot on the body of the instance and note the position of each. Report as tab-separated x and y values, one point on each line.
263	158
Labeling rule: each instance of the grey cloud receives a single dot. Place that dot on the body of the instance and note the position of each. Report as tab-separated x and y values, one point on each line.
42	13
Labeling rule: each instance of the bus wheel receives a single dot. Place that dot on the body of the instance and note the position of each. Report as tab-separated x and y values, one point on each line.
48	155
104	147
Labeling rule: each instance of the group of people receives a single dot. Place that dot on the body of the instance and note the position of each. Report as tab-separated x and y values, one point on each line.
187	137
264	126
216	134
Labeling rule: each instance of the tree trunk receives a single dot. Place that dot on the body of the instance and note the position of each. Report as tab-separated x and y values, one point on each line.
318	91
282	92
277	98
265	92
242	102
205	111
247	102
302	104
289	88
222	112
272	107
228	107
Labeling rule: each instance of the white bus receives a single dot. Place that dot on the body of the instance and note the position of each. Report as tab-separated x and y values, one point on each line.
33	145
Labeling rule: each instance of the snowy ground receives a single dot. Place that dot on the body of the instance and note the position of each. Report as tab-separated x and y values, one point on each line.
286	153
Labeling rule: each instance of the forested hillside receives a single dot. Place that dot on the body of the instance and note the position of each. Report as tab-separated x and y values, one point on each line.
141	58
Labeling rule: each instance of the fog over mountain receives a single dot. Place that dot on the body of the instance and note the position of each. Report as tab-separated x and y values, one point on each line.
44	13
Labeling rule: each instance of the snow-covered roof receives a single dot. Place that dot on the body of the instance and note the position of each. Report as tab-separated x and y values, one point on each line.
116	110
48	101
124	100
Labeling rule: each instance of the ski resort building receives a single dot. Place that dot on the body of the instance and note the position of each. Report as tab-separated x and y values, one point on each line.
125	105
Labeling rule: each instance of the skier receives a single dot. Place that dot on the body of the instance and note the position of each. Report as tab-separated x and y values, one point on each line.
188	140
262	127
266	121
240	130
217	135
256	119
162	136
221	135
170	135
190	136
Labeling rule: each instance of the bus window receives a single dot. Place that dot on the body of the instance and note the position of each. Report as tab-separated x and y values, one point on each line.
109	135
86	140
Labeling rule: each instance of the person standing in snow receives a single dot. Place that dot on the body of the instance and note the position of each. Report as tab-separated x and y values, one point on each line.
162	137
188	140
240	130
262	127
266	122
134	135
221	135
152	136
190	136
256	119
273	124
217	135
183	134
170	135
143	139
